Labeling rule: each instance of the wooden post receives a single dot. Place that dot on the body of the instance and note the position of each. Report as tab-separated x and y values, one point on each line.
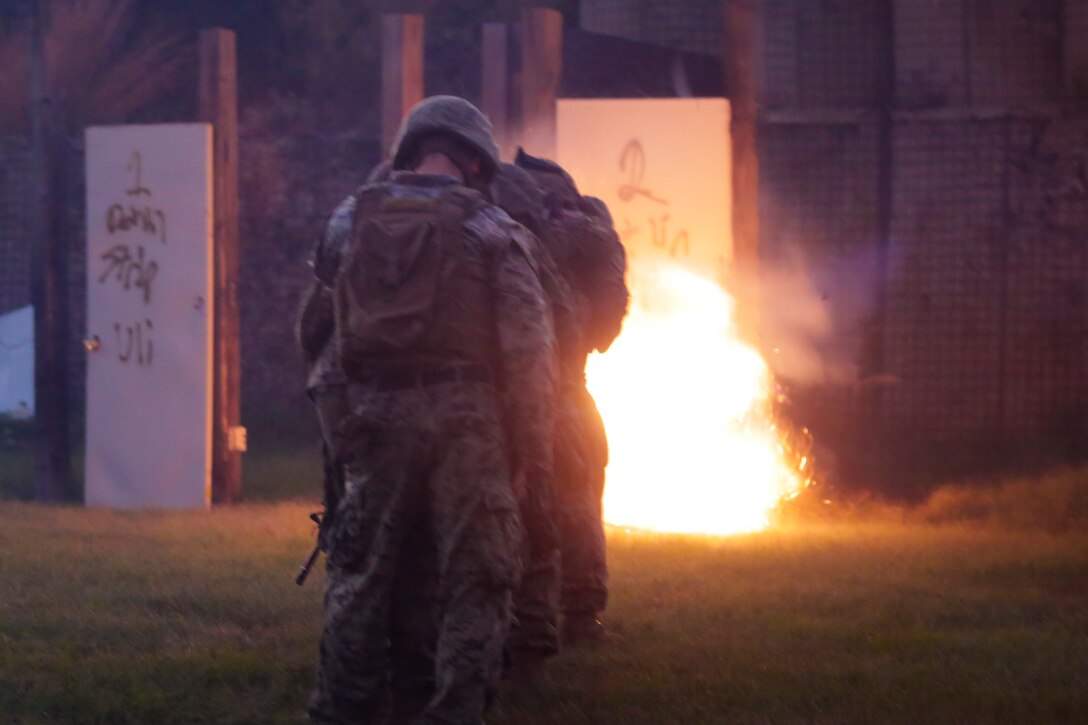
743	36
219	107
49	280
541	70
402	71
495	75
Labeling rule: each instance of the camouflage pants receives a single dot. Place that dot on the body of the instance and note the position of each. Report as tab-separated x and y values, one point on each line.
422	557
566	564
331	404
536	600
581	455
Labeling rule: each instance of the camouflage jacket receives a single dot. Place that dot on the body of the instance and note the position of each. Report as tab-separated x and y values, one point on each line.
588	250
581	238
525	335
516	193
566	315
325	371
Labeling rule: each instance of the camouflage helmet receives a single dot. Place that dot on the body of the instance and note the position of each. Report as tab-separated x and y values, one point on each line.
447	115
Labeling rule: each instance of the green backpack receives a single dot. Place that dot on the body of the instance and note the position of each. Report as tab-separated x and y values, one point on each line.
404	262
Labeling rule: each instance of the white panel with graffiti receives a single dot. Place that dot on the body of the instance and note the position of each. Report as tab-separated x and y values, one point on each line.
149	316
663	168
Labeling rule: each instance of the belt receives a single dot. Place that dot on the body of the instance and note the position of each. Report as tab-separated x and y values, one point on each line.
400	379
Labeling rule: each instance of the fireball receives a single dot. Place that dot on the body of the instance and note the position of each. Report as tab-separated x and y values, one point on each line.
693	446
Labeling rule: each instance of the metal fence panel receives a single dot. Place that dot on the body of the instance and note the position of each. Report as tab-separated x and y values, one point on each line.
780	82
1015	49
1045	332
818	256
930	60
1075	54
941	331
839	53
818	197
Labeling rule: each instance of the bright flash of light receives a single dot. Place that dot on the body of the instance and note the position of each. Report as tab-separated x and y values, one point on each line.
693	444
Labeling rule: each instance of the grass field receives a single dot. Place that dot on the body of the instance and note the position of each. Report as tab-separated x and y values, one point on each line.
110	617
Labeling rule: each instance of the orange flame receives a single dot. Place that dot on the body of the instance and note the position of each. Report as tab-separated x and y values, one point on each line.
693	446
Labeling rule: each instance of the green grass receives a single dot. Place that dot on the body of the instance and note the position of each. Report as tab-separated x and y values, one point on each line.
282	474
274	475
16	459
16	473
283	465
109	617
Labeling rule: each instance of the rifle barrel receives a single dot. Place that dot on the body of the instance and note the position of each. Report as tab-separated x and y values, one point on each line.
304	570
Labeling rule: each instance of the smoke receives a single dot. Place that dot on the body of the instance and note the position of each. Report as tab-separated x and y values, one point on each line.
815	314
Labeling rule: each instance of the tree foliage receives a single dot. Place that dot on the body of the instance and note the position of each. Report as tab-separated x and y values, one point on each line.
100	67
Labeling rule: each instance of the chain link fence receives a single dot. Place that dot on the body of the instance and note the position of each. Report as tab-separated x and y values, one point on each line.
973	344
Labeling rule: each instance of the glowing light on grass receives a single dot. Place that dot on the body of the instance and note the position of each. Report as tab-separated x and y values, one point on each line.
693	446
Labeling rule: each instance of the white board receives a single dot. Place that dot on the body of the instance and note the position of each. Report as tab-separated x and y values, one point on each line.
149	311
17	362
663	166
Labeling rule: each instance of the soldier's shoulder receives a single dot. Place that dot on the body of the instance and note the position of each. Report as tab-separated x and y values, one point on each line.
595	208
490	215
491	222
590	223
331	244
338	228
342	215
498	231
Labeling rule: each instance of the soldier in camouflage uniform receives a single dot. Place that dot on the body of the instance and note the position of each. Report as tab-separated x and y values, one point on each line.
327	385
424	538
535	634
579	235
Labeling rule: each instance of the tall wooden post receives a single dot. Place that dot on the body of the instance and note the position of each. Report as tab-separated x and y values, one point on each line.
49	279
402	71
541	70
219	107
743	46
495	76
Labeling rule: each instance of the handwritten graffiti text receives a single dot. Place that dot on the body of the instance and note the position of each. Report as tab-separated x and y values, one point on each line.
675	243
129	269
136	167
121	218
633	163
134	342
